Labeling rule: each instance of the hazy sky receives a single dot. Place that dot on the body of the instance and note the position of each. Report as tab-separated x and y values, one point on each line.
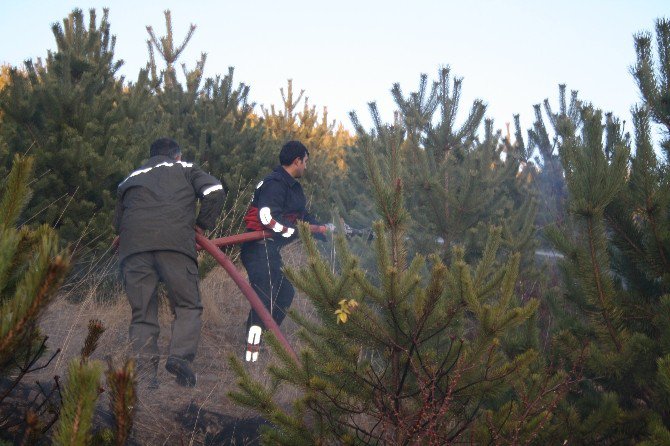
512	54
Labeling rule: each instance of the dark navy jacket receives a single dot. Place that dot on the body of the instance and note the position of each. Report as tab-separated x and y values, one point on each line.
281	195
156	204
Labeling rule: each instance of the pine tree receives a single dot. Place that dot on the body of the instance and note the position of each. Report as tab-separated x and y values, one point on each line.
31	269
170	53
121	383
414	352
80	395
4	76
435	152
615	282
81	392
225	141
4	80
73	110
458	182
653	78
173	113
615	269
549	181
75	424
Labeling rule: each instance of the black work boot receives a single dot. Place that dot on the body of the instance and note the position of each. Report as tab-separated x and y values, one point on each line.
147	371
182	371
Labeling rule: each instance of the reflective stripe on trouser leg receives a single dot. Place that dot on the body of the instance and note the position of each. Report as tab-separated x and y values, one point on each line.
253	343
263	264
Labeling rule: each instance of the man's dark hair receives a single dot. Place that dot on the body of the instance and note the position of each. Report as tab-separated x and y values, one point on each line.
165	147
292	150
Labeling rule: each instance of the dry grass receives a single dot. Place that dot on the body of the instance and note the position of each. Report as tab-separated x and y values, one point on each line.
173	415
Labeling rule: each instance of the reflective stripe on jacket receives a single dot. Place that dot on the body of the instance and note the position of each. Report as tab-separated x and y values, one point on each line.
278	202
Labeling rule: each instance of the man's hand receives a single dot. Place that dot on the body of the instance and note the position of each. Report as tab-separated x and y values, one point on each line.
349	231
199	230
346	229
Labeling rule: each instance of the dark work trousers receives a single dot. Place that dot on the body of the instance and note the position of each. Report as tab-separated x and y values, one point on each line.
263	263
179	272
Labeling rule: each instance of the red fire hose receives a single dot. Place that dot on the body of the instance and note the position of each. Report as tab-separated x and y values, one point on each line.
213	247
256	235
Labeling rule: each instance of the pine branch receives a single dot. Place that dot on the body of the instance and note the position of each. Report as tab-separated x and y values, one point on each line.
122	398
79	398
95	330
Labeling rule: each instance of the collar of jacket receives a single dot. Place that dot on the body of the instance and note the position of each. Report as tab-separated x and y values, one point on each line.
285	175
154	160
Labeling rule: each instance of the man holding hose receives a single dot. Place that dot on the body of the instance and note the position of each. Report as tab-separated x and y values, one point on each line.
278	203
156	222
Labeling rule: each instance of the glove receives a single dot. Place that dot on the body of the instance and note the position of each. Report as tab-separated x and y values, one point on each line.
346	229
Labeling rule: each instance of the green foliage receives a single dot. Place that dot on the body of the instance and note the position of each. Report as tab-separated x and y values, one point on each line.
653	76
615	271
122	399
456	181
79	397
88	128
170	53
432	335
421	355
73	110
4	76
31	269
75	422
594	176
546	175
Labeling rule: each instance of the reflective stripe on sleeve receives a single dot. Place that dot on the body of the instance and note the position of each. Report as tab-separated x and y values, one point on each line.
211	189
265	215
289	232
268	221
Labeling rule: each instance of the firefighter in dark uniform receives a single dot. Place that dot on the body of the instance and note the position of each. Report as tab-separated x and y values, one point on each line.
278	203
156	223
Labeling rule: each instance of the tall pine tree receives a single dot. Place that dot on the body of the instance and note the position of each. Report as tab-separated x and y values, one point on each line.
615	267
413	352
72	111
